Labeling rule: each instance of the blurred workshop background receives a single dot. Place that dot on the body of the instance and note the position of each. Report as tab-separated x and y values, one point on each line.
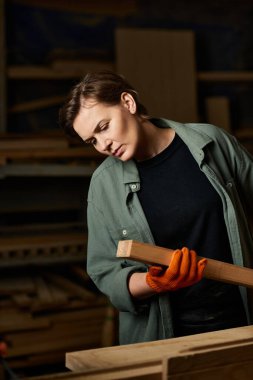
191	61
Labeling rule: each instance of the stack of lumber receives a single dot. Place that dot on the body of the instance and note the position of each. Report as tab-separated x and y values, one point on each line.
21	147
46	313
42	249
28	155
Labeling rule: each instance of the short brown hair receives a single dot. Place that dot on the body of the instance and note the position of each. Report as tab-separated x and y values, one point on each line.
104	87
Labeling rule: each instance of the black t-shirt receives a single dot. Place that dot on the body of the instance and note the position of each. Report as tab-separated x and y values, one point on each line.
183	209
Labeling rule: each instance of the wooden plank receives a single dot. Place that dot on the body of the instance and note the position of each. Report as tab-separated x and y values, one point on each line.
152	353
215	270
64	239
44	296
37	104
16	320
41	227
27	142
225	76
20	321
47	170
70	286
61	335
22	300
218	112
56	300
47	72
93	312
84	152
160	64
20	285
2	68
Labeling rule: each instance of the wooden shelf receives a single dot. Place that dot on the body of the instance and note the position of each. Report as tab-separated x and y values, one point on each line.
58	70
244	133
225	76
81	152
46	170
42	249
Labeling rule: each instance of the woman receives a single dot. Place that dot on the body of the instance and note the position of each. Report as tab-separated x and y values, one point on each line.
165	183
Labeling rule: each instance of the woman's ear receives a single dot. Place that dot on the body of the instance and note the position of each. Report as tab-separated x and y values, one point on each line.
128	101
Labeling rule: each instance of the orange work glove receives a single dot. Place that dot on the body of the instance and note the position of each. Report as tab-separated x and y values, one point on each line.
184	270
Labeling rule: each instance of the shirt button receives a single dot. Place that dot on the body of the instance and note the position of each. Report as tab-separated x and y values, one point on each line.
124	232
133	187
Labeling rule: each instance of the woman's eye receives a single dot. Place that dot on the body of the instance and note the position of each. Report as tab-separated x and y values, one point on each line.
104	127
91	141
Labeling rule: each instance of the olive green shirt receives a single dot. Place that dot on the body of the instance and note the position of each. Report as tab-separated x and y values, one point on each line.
115	213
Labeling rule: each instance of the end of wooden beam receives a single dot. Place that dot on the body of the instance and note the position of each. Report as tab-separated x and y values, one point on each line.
124	248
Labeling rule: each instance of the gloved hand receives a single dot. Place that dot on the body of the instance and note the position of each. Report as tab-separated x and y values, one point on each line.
184	270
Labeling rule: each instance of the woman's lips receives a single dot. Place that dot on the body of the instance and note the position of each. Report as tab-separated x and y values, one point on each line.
118	152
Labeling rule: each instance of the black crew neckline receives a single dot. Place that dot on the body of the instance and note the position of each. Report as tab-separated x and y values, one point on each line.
164	154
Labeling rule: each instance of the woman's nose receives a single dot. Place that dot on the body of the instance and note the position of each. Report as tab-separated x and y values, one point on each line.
105	144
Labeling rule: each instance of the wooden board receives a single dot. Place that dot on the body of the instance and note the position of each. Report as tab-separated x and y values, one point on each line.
215	270
36	104
225	76
160	64
47	170
144	356
26	142
50	72
84	152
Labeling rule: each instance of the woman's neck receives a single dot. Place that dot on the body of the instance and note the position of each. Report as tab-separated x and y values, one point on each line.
153	140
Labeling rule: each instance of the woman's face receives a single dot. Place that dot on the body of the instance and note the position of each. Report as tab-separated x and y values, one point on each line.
112	130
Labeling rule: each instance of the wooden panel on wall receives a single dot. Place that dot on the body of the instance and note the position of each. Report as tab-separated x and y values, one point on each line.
160	64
